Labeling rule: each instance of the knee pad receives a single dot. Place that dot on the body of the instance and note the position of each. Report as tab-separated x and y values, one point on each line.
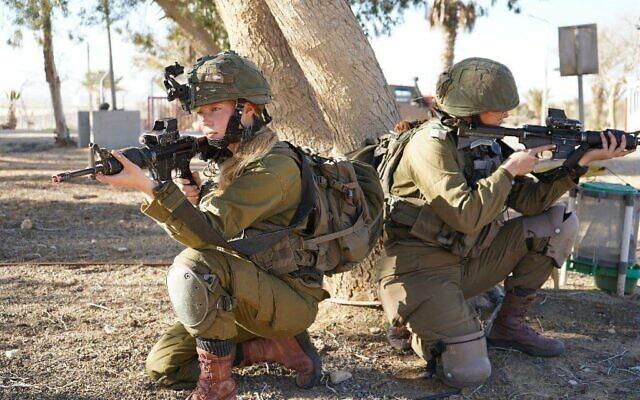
560	227
463	361
194	296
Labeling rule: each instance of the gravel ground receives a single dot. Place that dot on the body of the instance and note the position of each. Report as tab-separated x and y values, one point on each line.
82	331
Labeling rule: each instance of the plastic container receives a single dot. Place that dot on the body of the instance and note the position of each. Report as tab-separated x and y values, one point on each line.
604	209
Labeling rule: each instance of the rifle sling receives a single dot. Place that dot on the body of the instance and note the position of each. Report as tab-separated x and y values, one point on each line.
263	241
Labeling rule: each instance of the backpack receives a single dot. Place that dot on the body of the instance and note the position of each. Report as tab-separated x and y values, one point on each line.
385	156
342	204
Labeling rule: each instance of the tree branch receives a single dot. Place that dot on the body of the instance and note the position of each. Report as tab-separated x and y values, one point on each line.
201	37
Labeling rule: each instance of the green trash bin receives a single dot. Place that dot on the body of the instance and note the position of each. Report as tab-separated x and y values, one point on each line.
607	236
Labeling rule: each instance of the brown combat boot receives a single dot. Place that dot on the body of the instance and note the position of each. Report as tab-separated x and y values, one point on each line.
399	337
296	353
215	381
510	329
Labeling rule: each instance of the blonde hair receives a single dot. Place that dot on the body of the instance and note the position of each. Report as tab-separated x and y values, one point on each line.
248	151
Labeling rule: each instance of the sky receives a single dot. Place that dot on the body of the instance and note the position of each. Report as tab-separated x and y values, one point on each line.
525	42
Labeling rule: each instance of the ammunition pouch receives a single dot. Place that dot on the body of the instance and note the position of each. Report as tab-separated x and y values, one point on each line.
282	257
424	224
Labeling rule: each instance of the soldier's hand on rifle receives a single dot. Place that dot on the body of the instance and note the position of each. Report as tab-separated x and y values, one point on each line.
608	151
131	176
522	162
191	192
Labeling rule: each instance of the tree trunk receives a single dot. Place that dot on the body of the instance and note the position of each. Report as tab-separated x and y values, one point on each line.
611	104
51	74
449	35
340	65
351	91
205	42
254	33
597	93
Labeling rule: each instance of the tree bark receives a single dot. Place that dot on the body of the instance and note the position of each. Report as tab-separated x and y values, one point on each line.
254	33
51	74
339	63
351	90
611	104
597	93
449	35
204	40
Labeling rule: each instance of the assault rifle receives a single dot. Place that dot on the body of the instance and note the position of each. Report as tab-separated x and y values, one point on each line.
163	152
567	134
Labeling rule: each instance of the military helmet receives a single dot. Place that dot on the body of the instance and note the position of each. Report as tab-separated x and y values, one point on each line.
476	85
227	76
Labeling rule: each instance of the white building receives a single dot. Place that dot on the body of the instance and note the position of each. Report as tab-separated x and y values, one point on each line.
633	106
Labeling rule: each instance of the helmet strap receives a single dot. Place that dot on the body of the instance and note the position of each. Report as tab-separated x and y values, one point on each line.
237	132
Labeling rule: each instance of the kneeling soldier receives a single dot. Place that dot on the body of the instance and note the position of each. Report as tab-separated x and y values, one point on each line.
445	238
231	312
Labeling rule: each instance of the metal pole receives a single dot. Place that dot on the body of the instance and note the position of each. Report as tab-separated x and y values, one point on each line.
113	81
571	207
89	78
545	100
625	244
102	87
580	99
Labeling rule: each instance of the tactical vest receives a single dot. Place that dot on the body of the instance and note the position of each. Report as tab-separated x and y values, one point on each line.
478	159
335	226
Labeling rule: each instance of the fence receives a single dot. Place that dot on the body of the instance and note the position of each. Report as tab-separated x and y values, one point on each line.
160	107
38	118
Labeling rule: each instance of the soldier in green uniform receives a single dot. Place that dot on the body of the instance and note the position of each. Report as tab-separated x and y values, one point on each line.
231	312
446	240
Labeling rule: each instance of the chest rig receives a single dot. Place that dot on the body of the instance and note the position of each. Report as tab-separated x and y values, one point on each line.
478	158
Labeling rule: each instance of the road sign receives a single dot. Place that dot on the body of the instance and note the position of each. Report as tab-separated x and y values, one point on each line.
578	49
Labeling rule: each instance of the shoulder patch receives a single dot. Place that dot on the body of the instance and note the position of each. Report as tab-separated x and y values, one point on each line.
437	131
434	130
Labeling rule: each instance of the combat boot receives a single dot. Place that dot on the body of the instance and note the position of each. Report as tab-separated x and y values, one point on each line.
215	381
399	337
296	353
510	329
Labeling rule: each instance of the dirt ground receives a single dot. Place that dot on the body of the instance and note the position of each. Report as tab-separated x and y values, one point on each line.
83	331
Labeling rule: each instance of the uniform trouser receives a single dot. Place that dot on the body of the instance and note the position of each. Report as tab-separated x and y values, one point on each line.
430	300
265	306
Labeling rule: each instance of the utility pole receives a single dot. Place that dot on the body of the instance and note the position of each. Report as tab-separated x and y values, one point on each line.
111	74
89	77
545	100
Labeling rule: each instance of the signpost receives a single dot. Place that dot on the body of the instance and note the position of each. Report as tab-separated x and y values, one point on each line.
578	48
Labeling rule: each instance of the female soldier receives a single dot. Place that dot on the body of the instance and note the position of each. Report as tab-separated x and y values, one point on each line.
445	239
231	312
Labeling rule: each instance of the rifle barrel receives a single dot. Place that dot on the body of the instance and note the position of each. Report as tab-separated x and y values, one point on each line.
65	176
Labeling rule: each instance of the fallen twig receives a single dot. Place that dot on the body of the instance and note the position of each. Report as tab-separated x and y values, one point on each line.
629	371
356	303
615	356
99	306
41	228
18	384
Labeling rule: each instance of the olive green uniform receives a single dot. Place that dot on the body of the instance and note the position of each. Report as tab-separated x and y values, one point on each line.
425	279
265	305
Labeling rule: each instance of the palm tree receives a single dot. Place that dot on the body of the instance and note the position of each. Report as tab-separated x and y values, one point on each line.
12	121
450	16
534	99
